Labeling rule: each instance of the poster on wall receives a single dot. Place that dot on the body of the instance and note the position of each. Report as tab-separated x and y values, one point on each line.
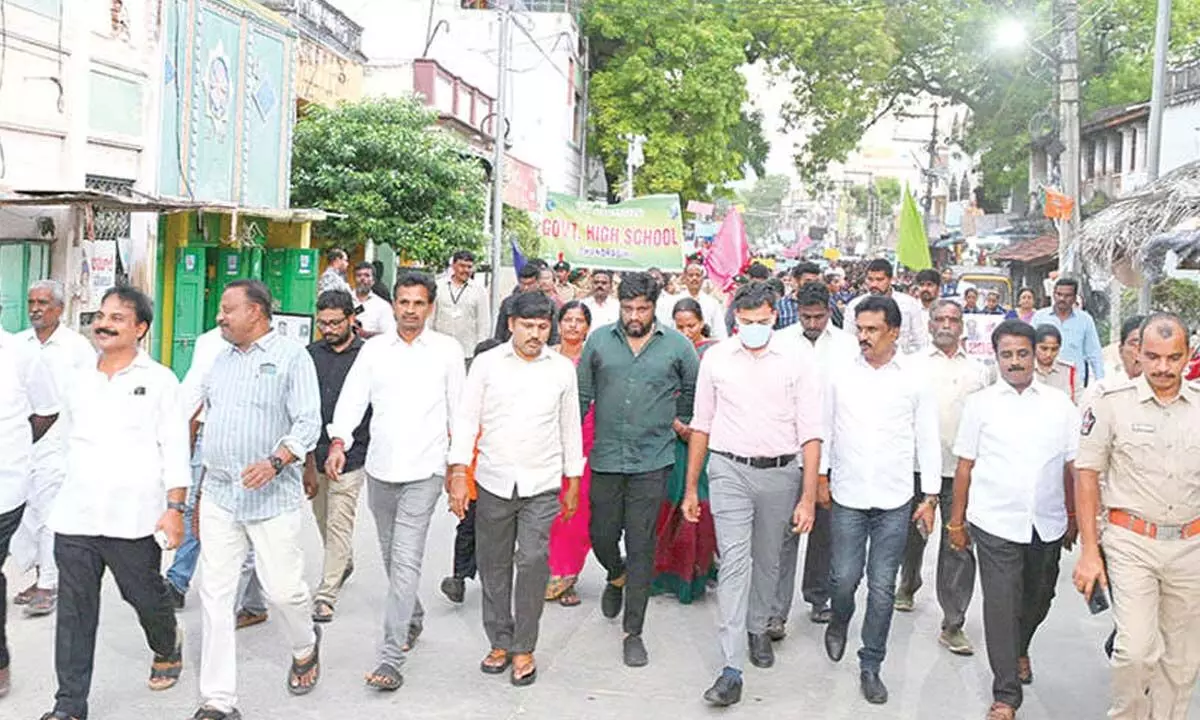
637	234
297	328
977	341
97	270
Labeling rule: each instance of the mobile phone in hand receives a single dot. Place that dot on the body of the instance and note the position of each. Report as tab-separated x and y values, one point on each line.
1098	602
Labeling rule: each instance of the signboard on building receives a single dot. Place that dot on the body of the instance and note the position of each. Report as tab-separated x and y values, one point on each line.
520	185
977	340
634	235
97	271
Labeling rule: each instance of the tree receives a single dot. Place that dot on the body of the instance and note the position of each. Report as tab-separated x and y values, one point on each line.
764	204
392	175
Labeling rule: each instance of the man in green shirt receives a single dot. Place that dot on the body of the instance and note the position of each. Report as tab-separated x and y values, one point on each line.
642	378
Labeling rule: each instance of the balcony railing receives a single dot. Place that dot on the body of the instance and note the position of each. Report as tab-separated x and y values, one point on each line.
324	21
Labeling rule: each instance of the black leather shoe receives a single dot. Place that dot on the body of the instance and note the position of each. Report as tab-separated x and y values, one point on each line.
611	600
835	641
178	598
761	653
725	691
634	651
454	588
820	615
776	629
873	688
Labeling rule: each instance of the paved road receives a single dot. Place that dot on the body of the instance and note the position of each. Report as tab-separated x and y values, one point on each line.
581	675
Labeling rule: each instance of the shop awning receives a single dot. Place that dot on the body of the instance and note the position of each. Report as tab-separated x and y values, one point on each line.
148	203
1029	251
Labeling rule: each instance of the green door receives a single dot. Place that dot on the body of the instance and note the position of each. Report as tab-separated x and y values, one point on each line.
22	263
189	307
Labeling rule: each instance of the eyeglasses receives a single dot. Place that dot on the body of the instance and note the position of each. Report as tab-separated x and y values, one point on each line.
329	325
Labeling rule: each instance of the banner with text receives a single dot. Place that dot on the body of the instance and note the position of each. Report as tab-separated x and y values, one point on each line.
637	234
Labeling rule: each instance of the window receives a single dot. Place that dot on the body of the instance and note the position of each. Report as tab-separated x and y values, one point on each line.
111	224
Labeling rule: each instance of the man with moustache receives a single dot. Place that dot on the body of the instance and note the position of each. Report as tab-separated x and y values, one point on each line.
527	282
953	376
564	291
122	502
913	329
1014	485
29	407
829	346
881	416
604	308
462	305
642	378
375	314
521	401
412	381
335	504
1142	434
64	352
263	416
693	283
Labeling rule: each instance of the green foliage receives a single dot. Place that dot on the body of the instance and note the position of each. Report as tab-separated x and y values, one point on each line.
889	191
764	203
518	224
395	177
1181	297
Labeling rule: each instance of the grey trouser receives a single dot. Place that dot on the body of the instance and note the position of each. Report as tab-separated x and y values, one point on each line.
955	568
751	510
402	512
513	534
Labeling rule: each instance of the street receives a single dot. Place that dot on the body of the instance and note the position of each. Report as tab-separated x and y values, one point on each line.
580	671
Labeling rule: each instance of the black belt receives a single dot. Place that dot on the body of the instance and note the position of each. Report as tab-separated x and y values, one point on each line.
758	463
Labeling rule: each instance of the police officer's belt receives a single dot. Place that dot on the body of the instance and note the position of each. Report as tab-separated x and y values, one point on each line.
758	463
1135	524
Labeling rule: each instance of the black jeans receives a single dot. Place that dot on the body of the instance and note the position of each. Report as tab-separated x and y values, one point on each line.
81	564
955	568
464	545
628	504
9	522
1018	582
814	584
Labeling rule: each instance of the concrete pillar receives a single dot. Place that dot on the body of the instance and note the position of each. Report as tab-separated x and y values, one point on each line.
1097	156
1111	160
1127	148
1139	154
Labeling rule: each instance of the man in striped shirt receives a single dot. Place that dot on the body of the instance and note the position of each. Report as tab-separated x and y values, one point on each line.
263	410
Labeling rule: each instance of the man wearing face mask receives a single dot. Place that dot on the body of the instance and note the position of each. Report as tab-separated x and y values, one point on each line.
758	408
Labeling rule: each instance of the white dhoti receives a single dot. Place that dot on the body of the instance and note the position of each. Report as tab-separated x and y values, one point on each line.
33	544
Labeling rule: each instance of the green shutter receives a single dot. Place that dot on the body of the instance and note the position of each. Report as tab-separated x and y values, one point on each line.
189	307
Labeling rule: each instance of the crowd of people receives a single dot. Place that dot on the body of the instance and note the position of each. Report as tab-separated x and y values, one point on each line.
687	443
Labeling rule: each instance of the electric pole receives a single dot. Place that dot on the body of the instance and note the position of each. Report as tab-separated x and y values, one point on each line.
634	159
1068	255
1162	37
933	138
499	125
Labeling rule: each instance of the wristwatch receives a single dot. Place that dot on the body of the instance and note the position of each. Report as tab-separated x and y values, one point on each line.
178	507
277	464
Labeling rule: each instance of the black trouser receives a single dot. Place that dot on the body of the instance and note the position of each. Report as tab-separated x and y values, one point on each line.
464	545
9	522
81	564
629	504
955	568
1018	582
814	585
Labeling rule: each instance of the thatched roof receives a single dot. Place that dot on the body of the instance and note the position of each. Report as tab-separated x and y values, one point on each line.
1124	228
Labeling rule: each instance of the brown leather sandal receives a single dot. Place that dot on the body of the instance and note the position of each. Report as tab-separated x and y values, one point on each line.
529	676
496	662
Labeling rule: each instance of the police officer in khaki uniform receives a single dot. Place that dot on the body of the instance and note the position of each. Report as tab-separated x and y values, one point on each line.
1143	434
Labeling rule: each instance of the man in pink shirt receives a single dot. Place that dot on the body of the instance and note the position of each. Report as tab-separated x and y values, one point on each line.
758	407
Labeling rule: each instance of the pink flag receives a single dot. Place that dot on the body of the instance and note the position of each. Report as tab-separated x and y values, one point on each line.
729	251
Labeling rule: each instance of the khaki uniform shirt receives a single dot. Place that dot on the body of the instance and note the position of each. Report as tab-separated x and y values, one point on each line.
461	311
1150	451
1058	376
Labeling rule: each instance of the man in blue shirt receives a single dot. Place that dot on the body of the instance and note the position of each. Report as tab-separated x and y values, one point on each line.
1080	342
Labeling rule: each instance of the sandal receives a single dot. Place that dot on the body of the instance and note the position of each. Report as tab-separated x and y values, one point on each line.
310	664
496	662
41	603
322	611
385	678
246	619
25	596
570	598
557	586
414	632
166	669
208	713
530	675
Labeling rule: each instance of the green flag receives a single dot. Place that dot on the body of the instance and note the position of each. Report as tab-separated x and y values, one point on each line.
912	248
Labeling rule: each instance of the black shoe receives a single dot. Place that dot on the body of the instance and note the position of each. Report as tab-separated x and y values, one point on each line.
611	600
454	588
873	688
820	614
835	641
725	691
762	655
634	651
346	573
178	597
776	629
1110	643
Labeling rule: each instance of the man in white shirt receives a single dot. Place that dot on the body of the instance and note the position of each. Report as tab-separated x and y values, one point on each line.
914	320
64	351
605	309
1014	484
522	402
693	283
334	277
28	410
461	309
122	502
881	412
954	376
412	381
375	317
815	334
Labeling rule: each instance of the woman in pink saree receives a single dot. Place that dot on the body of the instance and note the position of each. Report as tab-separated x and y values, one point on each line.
569	540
